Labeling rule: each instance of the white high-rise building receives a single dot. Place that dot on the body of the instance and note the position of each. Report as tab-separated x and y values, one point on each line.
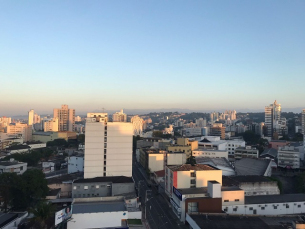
108	147
273	120
119	117
137	123
31	117
66	118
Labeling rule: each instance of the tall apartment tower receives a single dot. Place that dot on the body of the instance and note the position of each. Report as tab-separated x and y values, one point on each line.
272	115
108	147
119	117
66	118
31	117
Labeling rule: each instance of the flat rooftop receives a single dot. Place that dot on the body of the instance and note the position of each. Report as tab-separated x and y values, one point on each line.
224	221
98	206
236	180
186	191
265	199
188	167
10	163
114	179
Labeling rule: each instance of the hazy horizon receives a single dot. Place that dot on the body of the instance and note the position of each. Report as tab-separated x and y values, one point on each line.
195	55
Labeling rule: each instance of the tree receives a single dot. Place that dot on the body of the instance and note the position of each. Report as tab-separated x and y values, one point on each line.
42	212
8	182
250	137
191	160
35	185
81	138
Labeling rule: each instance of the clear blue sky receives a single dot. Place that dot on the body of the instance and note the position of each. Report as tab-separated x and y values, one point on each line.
151	54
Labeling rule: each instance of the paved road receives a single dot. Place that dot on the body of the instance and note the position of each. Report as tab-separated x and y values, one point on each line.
159	215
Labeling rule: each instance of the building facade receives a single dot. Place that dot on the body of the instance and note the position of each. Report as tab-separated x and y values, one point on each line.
66	118
108	147
289	157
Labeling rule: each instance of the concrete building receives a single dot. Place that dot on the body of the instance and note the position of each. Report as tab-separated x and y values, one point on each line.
51	136
201	122
220	163
189	176
289	157
193	131
13	166
66	118
155	160
218	130
252	185
51	125
20	128
108	147
11	220
211	153
248	151
119	117
102	186
75	164
99	213
18	149
31	117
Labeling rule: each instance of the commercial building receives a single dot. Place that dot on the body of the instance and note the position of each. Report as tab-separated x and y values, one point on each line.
248	151
20	128
102	186
31	117
138	124
212	153
13	166
119	117
66	118
108	147
189	176
289	157
155	160
252	166
98	213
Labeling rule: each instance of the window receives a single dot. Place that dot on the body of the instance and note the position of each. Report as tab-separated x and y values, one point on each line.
226	201
108	186
105	139
263	208
250	208
105	150
92	186
86	187
193	174
193	181
88	195
104	162
97	186
104	173
235	209
287	205
299	205
236	200
104	157
105	145
21	167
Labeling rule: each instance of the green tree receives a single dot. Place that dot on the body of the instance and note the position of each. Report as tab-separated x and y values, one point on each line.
250	137
42	212
191	160
81	138
35	185
8	182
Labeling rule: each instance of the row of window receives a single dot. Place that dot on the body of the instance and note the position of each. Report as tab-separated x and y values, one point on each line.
262	208
85	195
236	200
92	187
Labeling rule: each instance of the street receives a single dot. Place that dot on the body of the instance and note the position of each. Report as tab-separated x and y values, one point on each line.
159	214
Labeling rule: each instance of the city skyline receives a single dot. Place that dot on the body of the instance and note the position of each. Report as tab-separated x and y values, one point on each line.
197	56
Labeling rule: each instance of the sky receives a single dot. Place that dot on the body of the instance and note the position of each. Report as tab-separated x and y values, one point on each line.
200	55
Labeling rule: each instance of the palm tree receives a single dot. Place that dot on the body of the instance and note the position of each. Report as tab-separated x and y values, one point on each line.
42	213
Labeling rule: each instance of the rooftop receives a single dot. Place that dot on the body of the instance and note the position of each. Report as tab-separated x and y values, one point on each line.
224	221
54	192
43	133
236	180
286	198
188	167
98	206
160	173
6	218
16	147
251	166
214	161
186	191
9	163
114	179
271	151
68	178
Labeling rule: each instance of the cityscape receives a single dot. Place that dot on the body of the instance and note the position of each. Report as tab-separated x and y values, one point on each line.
152	115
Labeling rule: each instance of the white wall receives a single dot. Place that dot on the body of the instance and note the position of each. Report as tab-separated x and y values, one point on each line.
97	220
75	164
210	153
294	208
37	146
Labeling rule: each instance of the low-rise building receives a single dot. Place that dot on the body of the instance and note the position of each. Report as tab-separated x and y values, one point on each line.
18	149
13	166
248	151
288	157
251	166
102	186
212	153
11	220
75	164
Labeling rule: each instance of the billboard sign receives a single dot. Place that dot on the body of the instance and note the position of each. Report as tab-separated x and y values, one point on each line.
177	193
63	215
